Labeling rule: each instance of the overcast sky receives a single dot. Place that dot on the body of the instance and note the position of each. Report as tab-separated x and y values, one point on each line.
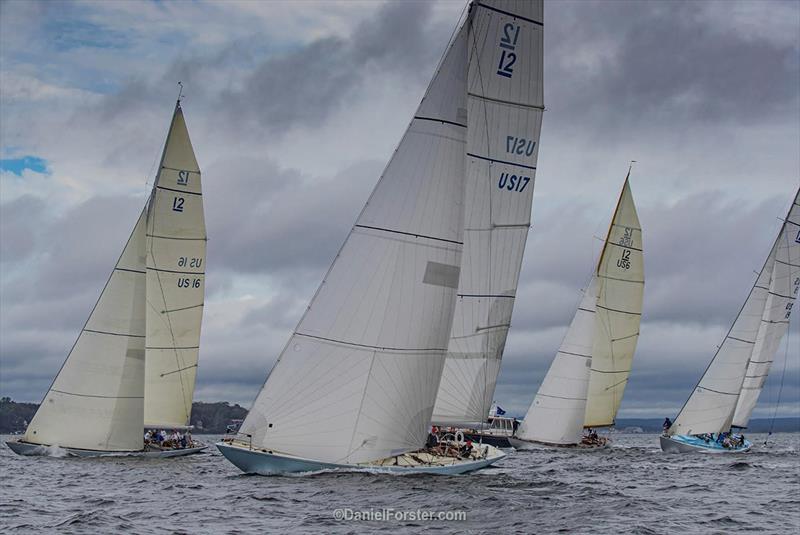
295	107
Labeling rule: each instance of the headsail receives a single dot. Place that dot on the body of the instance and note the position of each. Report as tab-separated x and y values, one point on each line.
358	378
783	286
505	105
176	252
620	290
96	400
711	407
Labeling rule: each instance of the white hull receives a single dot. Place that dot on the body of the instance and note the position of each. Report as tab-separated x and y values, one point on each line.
270	463
673	445
521	444
28	449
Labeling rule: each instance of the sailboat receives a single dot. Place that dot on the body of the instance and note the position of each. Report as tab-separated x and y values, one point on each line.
133	365
354	388
728	390
584	386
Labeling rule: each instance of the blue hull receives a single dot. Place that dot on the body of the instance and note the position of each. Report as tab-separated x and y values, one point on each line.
693	444
268	464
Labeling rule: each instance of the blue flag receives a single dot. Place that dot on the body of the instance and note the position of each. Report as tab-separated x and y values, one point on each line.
499	411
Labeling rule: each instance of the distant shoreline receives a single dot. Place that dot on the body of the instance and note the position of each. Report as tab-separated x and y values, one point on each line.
213	418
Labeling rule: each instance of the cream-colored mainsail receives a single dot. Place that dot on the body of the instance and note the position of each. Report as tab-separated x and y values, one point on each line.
505	105
176	254
594	360
620	290
98	399
729	388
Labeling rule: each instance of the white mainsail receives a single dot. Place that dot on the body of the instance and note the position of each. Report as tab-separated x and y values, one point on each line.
176	252
96	400
505	105
620	280
750	344
594	360
358	378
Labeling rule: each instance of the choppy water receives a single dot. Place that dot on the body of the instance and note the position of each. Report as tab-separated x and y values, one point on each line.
631	488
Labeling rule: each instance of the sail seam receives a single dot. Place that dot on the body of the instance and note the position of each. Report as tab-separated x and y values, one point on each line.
175	238
183	308
787	263
114	334
509	102
740	340
773	321
620	311
94	395
171	347
129	270
434	119
574	354
559	397
410	234
605	371
185	170
619	279
625	246
179	370
487	295
526	19
781	295
180	191
179	272
367	346
501	161
718	391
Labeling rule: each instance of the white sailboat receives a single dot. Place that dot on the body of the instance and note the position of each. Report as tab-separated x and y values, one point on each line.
355	386
729	389
584	386
134	362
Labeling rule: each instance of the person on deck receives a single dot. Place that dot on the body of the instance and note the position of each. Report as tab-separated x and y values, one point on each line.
667	424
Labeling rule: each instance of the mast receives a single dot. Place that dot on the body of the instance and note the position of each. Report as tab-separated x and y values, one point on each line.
504	116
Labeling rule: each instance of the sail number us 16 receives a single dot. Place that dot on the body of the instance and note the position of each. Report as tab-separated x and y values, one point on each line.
186	282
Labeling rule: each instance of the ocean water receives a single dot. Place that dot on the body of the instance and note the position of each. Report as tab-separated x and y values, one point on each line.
630	488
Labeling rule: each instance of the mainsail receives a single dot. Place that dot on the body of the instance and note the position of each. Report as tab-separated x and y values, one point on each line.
729	388
96	400
505	105
620	290
176	252
594	360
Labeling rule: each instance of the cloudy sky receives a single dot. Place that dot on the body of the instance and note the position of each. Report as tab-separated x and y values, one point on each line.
294	109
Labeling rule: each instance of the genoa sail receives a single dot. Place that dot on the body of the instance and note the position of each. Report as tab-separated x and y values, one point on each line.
96	400
505	106
749	346
176	251
594	360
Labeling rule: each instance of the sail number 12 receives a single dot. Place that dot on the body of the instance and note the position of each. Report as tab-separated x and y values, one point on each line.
508	46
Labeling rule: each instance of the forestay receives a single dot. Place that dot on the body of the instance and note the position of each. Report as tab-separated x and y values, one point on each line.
783	286
505	105
358	378
620	290
176	251
96	400
711	407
